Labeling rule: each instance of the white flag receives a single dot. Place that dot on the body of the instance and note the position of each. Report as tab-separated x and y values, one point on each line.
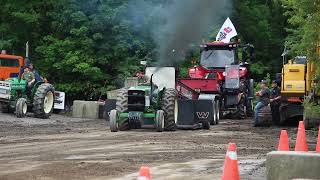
226	32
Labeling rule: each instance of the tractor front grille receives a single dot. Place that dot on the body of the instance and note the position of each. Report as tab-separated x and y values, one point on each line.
136	100
4	84
4	90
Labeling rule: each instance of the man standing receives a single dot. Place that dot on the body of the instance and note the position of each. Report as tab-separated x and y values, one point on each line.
264	99
275	103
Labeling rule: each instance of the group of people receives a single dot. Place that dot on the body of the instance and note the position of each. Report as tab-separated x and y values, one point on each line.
267	97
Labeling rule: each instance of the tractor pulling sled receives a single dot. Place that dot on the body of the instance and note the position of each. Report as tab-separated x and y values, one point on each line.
219	86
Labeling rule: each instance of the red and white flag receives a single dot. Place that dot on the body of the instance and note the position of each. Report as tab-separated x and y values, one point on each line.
226	32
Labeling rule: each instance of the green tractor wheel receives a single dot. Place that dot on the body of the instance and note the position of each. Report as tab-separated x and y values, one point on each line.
122	106
43	101
159	121
21	108
113	121
170	108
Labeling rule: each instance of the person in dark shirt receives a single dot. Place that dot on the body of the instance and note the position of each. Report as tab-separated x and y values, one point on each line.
35	72
275	103
264	99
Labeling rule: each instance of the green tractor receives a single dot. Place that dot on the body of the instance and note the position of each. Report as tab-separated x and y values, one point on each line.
148	105
16	97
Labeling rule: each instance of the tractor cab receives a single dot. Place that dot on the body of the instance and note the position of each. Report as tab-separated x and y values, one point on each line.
217	56
10	65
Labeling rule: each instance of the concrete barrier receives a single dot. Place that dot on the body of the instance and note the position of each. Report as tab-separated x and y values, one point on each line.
131	81
283	165
85	109
112	94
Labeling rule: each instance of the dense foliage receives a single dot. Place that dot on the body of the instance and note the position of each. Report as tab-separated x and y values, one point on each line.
304	30
88	47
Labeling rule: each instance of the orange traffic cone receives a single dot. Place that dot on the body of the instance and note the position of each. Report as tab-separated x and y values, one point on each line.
144	173
301	141
230	167
283	141
318	142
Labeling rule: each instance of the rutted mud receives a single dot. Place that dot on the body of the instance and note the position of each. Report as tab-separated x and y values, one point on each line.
67	148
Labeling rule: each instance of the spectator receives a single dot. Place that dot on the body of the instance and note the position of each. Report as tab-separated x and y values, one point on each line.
264	99
275	103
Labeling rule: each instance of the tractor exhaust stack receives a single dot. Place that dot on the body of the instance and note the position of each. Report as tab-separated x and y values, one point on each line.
27	54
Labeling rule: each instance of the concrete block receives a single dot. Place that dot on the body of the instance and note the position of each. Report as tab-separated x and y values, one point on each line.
283	165
112	94
85	109
131	81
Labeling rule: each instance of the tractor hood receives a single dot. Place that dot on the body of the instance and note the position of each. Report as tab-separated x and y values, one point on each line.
15	83
7	86
140	88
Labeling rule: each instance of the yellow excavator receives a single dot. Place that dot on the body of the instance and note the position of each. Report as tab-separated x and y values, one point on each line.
298	87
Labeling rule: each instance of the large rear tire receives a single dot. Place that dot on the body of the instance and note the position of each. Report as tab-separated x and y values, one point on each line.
43	101
21	108
240	113
122	107
250	111
170	108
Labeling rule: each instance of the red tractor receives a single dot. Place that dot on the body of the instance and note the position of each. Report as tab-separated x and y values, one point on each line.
222	76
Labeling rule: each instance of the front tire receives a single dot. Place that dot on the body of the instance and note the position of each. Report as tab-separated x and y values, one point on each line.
214	112
170	108
217	107
43	101
114	120
21	108
159	121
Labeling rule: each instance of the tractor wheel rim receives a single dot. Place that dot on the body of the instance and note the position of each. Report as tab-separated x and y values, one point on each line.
48	102
214	113
162	121
116	119
176	111
217	111
24	108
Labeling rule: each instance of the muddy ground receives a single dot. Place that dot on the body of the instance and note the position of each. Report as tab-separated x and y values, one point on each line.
65	148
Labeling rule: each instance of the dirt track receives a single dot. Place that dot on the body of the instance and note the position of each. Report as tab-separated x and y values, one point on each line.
67	148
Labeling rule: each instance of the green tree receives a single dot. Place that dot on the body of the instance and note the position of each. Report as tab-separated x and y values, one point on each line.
303	17
262	23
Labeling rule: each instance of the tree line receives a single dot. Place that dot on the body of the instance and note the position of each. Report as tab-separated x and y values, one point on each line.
86	48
